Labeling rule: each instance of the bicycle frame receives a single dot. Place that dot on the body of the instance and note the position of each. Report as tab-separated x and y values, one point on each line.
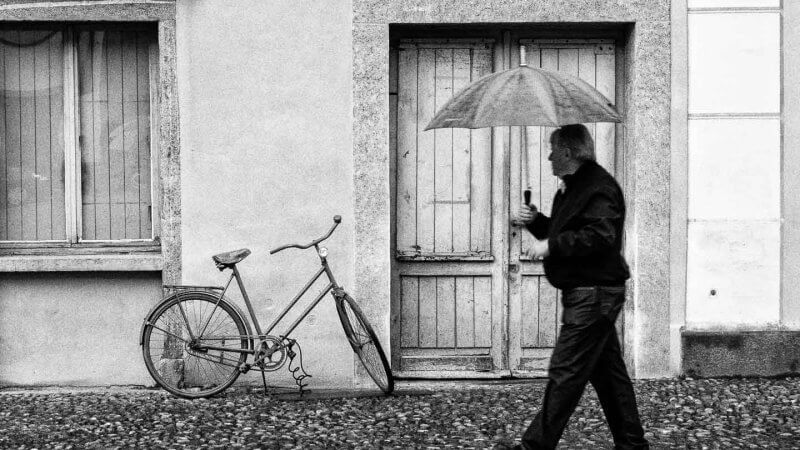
331	286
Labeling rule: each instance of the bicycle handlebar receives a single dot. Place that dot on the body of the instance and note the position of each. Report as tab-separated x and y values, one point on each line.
336	221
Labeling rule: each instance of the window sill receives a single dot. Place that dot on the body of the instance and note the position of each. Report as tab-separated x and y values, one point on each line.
83	263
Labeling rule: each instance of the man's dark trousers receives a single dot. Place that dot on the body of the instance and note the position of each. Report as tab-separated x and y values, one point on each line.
588	350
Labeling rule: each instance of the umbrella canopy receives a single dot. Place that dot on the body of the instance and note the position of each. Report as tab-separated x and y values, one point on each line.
525	96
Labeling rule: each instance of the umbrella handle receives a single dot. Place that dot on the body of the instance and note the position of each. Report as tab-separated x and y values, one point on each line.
527	195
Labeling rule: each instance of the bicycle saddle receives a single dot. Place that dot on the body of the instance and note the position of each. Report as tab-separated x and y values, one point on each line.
232	257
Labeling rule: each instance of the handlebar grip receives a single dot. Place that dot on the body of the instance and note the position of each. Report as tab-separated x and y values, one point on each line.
527	197
337	219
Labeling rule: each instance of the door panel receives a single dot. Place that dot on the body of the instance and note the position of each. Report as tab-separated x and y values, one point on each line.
445	266
534	304
443	176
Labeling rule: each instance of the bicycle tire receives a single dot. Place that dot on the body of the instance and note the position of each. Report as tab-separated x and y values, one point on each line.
365	343
187	372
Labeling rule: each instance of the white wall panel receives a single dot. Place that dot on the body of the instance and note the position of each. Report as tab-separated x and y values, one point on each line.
734	3
740	262
734	169
734	63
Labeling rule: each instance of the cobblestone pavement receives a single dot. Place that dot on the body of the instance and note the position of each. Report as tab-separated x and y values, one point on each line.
724	414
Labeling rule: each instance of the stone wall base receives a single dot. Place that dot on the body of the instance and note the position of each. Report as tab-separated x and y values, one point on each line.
709	354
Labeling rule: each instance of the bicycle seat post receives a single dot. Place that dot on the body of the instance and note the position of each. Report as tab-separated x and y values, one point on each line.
247	302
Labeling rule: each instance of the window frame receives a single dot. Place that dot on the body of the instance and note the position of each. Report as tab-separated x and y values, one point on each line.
74	244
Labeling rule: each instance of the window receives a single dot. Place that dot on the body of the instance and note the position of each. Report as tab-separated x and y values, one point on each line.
76	118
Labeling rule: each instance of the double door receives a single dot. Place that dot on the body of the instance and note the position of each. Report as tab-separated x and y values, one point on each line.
466	300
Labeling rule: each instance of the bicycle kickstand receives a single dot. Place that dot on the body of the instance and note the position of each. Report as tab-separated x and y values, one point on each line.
264	380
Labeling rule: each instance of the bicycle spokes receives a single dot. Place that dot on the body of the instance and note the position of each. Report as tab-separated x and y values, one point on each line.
200	365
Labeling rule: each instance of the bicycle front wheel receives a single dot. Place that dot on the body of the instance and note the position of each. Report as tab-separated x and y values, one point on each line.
199	367
365	343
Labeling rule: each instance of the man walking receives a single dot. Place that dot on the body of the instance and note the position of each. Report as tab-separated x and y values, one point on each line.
581	245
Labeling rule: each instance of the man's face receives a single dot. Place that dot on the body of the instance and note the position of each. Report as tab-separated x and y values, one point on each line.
560	158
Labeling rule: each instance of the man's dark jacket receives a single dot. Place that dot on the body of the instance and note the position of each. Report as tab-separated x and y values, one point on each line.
585	231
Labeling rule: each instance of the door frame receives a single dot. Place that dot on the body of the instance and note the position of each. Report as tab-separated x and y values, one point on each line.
506	55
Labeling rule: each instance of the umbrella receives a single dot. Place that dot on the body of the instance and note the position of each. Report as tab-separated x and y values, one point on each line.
525	96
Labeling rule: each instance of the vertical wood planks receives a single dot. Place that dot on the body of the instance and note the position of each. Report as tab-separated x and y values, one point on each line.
116	156
111	136
549	183
426	157
547	313
31	199
13	138
28	195
443	175
87	137
143	106
445	312
59	219
101	134
605	138
115	129
42	176
427	312
407	150
483	311
530	311
130	135
532	153
465	312
443	144
516	162
568	61
3	137
409	306
461	159
587	72
481	170
443	206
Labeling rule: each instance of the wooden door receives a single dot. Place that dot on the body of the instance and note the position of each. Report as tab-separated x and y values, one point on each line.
534	305
465	301
448	289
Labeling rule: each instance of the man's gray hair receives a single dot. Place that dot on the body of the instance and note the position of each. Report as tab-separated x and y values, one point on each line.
576	138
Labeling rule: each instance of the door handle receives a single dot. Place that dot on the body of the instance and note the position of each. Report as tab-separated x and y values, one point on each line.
513	268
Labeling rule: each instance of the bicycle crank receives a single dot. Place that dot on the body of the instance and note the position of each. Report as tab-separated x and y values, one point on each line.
271	354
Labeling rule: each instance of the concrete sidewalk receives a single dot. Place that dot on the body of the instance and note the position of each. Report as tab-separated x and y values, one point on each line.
749	413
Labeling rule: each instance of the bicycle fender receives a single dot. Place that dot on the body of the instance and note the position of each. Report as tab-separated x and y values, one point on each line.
233	306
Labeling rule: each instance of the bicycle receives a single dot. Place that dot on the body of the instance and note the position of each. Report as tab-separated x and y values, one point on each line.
196	342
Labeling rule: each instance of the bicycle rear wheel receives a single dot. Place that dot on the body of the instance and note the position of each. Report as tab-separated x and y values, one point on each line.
365	343
186	367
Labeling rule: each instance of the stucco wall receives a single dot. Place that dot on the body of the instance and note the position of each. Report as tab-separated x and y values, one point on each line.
74	328
266	114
